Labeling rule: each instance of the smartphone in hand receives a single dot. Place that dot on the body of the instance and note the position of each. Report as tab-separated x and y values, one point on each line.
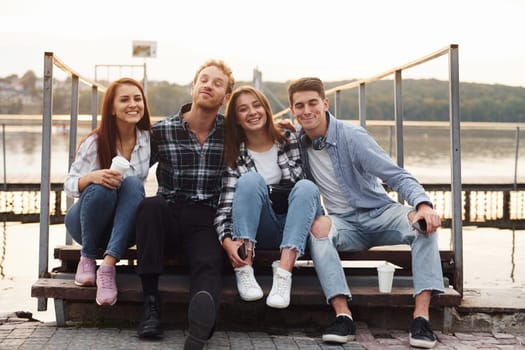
420	226
243	251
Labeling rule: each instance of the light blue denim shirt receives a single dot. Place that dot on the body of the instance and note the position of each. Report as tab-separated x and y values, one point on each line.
359	163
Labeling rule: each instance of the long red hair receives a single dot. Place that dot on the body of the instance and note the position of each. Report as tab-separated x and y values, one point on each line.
107	132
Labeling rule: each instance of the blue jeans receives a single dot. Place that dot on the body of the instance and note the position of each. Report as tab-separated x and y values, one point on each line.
254	218
363	229
104	217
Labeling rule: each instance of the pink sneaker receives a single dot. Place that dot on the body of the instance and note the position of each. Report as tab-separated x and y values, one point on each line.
106	285
85	275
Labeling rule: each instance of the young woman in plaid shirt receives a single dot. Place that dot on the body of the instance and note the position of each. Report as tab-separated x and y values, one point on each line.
258	156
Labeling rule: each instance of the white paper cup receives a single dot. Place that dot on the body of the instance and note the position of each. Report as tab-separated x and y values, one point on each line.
119	164
385	275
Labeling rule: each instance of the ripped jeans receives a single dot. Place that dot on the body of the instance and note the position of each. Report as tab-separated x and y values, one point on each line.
254	218
364	229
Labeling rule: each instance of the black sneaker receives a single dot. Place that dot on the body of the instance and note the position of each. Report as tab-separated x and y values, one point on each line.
340	331
150	328
421	334
201	320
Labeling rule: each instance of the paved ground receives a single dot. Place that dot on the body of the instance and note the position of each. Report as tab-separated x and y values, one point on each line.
19	333
501	311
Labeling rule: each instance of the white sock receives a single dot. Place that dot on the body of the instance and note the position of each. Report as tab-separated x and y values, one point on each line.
346	315
426	318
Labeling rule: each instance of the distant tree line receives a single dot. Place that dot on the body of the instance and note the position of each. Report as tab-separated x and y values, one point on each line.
423	99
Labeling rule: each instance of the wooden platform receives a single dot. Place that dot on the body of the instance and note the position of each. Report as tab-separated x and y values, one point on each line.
308	305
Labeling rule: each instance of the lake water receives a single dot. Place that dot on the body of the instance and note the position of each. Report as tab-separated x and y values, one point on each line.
492	257
487	154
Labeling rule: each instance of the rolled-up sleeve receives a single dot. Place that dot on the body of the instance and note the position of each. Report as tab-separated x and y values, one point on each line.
223	219
86	161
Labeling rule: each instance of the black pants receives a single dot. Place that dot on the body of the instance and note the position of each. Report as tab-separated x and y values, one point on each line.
164	229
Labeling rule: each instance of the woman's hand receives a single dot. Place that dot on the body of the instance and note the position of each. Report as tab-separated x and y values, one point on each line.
104	177
231	247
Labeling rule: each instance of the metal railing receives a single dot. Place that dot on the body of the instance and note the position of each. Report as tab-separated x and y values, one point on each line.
51	61
452	51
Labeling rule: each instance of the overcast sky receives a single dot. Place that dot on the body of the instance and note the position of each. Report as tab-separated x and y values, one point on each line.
285	39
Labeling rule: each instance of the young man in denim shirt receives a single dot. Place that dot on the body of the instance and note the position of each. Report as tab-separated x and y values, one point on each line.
346	163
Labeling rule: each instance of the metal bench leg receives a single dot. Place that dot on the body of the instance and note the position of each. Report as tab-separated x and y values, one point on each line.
449	313
59	312
42	304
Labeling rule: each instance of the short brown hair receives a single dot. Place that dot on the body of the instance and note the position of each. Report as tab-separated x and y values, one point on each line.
306	84
223	67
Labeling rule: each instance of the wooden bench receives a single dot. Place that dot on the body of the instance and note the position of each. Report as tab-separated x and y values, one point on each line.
73	303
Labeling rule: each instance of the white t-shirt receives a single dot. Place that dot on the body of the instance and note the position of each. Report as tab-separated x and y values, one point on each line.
266	164
324	177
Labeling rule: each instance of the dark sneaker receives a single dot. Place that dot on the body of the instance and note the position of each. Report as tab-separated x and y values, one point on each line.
201	321
340	331
421	334
150	328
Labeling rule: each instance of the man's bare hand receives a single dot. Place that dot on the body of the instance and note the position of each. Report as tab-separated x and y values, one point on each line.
286	124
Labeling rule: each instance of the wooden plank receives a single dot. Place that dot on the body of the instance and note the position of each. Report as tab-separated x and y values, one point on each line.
174	289
398	256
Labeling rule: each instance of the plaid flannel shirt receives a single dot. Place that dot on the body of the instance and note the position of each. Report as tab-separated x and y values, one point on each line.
187	170
289	160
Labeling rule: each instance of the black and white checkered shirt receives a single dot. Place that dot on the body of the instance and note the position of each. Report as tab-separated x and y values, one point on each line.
186	169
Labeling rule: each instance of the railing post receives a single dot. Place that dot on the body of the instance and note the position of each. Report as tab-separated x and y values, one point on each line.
506	207
94	106
73	121
516	156
145	80
337	102
45	183
4	158
455	156
72	136
362	105
398	115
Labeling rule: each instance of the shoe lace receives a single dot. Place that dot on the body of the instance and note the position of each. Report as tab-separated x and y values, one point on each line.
246	279
153	309
340	325
281	284
106	279
424	329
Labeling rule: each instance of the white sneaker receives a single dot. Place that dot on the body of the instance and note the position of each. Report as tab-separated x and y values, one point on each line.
247	285
279	296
